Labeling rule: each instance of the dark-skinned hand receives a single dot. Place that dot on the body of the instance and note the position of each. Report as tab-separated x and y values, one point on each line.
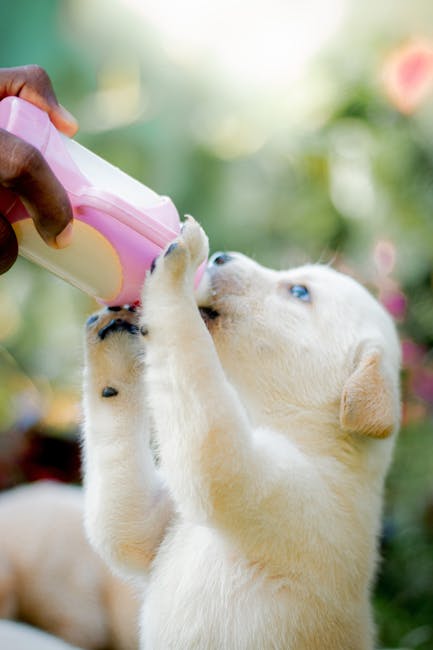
24	170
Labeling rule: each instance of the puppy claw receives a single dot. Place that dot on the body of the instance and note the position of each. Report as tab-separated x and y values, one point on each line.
171	248
185	253
153	265
92	319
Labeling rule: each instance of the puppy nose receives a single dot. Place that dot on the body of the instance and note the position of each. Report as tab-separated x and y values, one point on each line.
220	258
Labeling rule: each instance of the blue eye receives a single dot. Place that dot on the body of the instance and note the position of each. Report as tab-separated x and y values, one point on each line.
300	292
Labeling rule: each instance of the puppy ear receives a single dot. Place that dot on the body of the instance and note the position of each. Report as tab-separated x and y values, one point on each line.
369	404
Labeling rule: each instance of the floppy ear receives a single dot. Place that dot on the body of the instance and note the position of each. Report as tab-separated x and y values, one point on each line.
369	404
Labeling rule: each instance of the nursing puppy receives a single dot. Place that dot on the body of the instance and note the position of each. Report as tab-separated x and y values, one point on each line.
275	412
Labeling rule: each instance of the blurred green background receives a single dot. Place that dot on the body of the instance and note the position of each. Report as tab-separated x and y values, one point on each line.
292	131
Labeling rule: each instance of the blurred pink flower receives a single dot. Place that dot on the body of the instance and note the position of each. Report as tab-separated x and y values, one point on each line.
422	384
384	257
408	74
412	353
395	302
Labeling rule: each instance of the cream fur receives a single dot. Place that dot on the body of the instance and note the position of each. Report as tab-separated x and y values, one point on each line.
17	636
51	577
258	531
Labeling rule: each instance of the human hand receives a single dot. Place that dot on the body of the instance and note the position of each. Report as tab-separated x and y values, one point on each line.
24	170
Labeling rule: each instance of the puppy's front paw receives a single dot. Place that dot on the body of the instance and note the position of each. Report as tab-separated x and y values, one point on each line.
183	256
114	349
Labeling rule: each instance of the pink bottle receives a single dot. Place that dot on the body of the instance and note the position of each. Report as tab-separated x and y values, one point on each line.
120	225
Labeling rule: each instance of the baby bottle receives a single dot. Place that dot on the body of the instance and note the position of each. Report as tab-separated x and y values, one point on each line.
120	225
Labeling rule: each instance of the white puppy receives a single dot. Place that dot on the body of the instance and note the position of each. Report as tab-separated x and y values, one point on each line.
18	636
51	578
274	423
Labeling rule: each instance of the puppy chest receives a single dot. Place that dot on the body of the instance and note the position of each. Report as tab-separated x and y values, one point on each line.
201	596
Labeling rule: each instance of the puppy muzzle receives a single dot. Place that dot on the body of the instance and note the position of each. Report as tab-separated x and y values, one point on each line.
206	292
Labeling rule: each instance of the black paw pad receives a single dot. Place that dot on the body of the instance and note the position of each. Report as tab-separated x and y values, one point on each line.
109	391
114	308
171	248
144	331
117	325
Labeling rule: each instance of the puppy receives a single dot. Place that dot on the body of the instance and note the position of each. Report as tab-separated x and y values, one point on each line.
275	411
51	577
18	636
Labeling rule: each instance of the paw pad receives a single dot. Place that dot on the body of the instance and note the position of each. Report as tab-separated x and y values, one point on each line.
117	325
109	391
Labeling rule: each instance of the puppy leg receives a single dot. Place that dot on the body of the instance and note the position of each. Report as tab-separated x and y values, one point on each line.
127	507
208	456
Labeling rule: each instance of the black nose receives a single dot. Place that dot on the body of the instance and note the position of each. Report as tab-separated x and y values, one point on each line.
220	258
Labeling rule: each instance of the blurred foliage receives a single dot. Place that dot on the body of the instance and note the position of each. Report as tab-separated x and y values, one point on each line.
326	168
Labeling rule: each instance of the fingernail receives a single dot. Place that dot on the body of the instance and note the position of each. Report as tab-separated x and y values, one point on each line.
64	121
68	116
65	237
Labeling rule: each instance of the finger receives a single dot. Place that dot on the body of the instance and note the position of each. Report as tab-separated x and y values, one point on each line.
8	245
32	83
24	170
63	120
